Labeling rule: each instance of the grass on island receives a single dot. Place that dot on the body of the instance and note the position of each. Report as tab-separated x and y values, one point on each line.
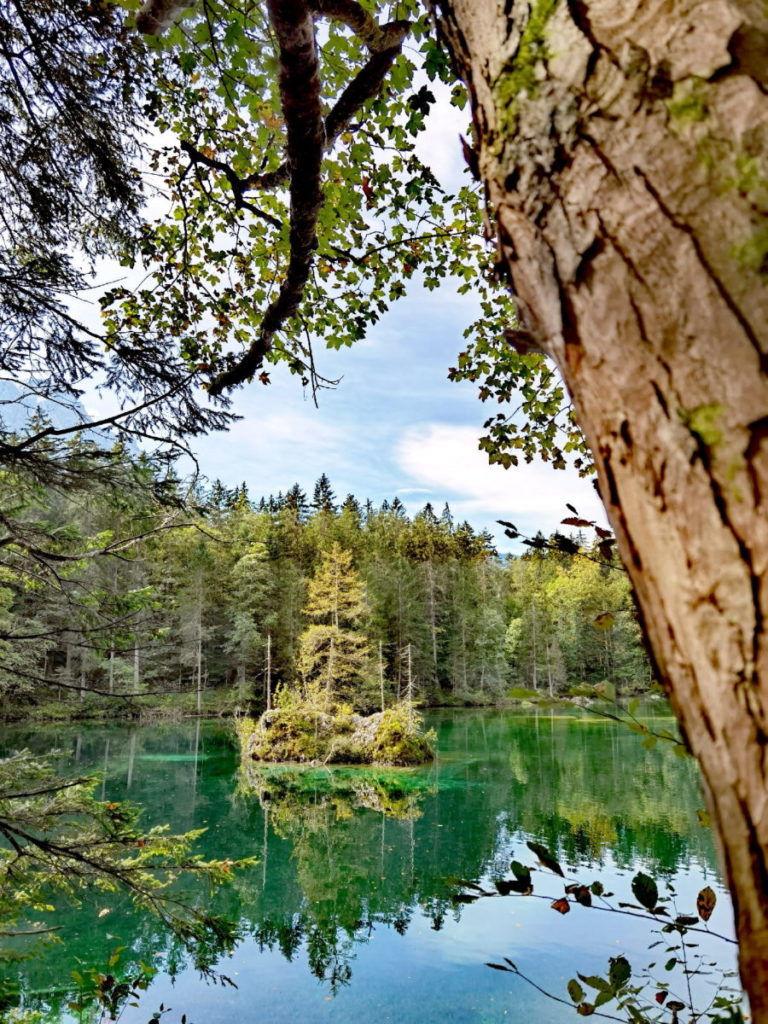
311	730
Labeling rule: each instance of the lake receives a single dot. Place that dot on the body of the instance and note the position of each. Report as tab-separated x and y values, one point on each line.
362	907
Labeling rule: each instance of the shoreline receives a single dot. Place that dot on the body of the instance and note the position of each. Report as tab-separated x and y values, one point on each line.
138	708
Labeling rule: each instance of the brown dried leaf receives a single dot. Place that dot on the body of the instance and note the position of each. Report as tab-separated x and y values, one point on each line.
705	903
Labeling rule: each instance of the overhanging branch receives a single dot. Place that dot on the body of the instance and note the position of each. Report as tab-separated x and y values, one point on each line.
308	137
294	29
363	87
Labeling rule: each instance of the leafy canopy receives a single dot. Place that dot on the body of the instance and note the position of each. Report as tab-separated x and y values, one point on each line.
293	224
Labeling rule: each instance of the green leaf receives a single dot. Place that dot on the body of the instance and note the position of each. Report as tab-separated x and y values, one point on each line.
596	982
187	62
645	890
620	971
575	991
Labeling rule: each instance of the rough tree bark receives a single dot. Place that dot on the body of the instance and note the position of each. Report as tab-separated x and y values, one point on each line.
623	148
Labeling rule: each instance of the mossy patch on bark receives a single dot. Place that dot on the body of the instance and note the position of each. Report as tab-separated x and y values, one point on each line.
753	252
521	76
704	422
688	102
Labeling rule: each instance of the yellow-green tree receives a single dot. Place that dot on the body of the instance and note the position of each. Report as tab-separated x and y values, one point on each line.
334	656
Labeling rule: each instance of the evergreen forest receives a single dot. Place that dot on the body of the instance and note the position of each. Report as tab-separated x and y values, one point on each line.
210	599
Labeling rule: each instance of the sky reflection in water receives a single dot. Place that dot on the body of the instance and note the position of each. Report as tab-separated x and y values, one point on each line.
350	912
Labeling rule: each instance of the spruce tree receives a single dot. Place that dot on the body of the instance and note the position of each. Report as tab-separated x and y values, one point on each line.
296	502
323	499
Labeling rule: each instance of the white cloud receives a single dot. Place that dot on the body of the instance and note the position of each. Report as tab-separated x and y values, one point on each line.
446	459
438	145
259	435
273	450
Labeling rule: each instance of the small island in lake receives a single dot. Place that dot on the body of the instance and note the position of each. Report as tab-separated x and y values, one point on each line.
314	721
304	732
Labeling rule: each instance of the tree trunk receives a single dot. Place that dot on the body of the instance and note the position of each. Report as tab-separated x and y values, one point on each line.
136	669
131	759
199	663
409	691
329	680
68	668
381	675
622	147
268	675
432	611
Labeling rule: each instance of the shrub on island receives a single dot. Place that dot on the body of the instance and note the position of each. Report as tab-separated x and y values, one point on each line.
308	730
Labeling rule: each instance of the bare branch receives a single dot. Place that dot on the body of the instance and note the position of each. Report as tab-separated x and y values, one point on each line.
237	184
376	37
43	792
110	549
77	688
31	931
95	424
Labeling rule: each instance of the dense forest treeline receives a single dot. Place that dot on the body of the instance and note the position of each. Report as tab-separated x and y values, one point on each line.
150	587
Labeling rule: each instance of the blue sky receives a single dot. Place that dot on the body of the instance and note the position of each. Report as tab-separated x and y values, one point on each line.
395	425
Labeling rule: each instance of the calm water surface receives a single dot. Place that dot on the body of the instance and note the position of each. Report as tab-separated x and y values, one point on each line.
350	911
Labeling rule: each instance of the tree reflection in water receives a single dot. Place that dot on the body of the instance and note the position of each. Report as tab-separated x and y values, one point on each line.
345	853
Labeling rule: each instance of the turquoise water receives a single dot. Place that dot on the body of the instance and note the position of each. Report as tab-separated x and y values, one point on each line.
351	912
